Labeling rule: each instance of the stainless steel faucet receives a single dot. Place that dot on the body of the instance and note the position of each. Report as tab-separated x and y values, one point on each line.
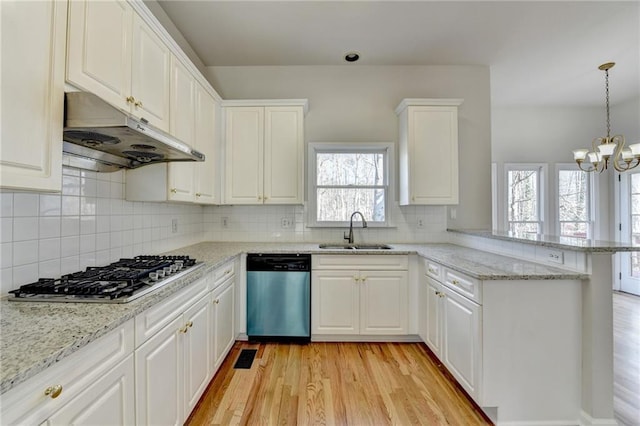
349	237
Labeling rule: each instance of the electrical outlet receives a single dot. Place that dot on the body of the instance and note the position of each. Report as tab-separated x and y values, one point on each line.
225	222
555	256
174	226
286	222
420	223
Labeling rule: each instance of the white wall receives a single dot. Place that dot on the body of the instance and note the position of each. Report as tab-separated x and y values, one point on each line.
89	224
549	134
353	103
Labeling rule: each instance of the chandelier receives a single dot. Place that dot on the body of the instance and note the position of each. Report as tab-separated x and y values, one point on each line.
608	149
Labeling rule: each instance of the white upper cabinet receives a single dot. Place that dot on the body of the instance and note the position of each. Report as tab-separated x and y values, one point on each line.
264	151
207	141
114	54
33	47
428	151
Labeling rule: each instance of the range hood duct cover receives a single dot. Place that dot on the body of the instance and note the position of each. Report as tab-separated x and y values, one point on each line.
100	137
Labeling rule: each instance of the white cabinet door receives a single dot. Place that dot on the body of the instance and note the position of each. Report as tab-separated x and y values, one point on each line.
461	340
433	315
99	49
108	401
428	149
244	145
383	302
283	155
335	302
150	75
159	377
206	124
223	301
197	353
181	175
33	47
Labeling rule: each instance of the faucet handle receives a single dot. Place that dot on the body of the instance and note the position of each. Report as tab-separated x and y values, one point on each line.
345	236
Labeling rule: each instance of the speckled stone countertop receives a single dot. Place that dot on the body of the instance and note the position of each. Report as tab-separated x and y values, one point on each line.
565	243
35	335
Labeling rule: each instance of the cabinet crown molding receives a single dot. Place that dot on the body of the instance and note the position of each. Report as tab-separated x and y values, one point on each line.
304	103
407	102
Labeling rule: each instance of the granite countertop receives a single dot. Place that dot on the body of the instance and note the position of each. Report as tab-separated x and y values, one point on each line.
35	335
555	241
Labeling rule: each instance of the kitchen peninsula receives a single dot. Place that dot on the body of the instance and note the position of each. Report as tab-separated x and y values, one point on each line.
532	315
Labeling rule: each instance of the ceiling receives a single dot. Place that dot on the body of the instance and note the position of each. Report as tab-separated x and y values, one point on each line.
539	53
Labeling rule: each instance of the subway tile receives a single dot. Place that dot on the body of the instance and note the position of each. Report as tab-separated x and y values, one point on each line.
88	206
87	225
70	205
86	260
6	280
70	185
6	255
116	190
49	249
70	226
87	243
25	228
89	174
69	246
70	264
103	223
70	171
6	229
25	252
116	206
25	205
102	257
103	206
88	187
115	223
103	189
117	176
49	269
50	205
116	239
49	227
6	204
103	241
25	274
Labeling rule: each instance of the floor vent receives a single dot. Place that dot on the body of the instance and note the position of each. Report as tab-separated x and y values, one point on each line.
246	358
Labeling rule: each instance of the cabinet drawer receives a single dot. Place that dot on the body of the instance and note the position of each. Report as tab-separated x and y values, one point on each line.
464	285
433	270
222	273
27	402
355	261
155	318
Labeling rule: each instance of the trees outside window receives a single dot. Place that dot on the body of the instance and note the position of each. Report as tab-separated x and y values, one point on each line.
349	179
574	212
524	199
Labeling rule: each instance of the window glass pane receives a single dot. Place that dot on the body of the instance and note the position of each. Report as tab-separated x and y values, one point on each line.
574	229
350	169
573	202
523	195
635	193
523	228
337	204
635	264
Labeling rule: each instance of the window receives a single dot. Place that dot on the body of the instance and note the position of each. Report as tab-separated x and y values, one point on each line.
525	198
349	178
574	202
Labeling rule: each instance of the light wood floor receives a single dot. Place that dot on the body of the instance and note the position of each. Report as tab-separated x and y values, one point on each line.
335	384
626	359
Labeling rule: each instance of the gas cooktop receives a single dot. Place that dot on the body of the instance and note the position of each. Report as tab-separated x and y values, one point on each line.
119	282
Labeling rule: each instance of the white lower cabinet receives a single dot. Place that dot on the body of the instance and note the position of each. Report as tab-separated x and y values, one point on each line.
197	352
223	327
108	401
369	300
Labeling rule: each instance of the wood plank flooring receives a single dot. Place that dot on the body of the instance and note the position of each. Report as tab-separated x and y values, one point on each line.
335	384
626	359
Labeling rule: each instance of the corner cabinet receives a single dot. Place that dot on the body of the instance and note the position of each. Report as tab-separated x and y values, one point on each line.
32	94
264	152
359	295
113	53
428	142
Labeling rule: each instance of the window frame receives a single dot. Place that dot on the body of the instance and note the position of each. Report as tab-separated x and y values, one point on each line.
542	207
590	203
386	148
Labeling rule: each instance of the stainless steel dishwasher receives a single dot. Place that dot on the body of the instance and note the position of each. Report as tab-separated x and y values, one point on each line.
279	297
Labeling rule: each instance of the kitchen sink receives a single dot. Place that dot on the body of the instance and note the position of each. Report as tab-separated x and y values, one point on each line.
355	246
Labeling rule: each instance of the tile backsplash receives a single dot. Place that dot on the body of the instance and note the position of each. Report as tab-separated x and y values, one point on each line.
88	224
91	224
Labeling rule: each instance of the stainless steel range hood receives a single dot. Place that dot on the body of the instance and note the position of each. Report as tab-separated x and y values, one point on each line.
99	137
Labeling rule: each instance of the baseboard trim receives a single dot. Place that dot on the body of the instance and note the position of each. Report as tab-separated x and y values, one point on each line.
409	338
587	420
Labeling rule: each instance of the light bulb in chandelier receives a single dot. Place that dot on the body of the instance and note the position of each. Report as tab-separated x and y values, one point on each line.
608	150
